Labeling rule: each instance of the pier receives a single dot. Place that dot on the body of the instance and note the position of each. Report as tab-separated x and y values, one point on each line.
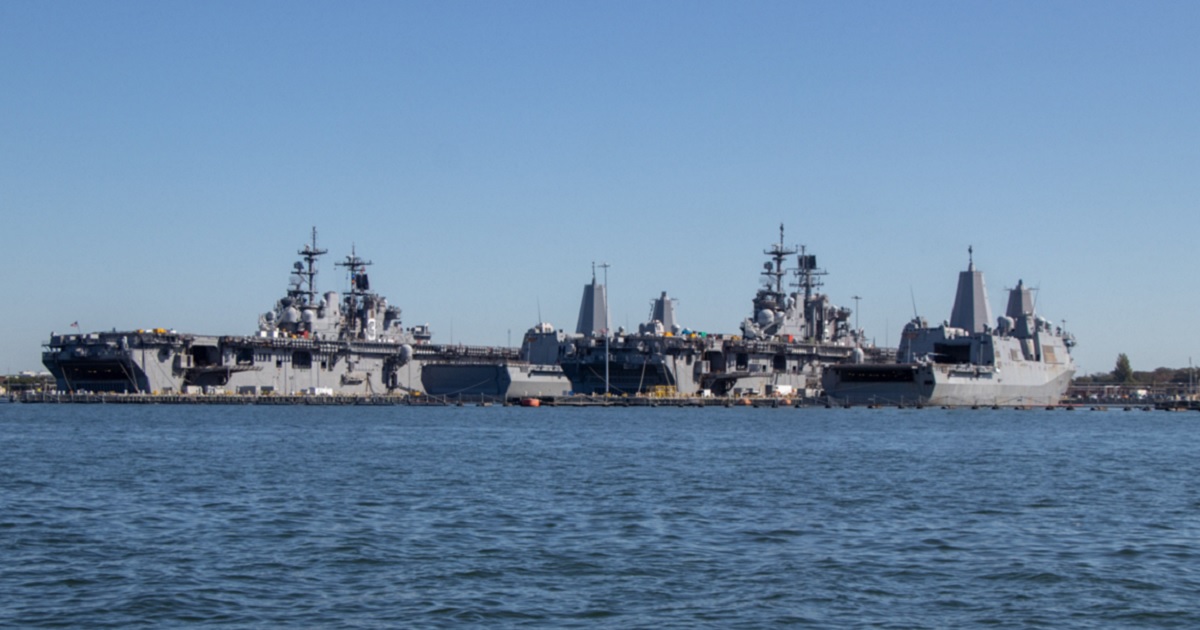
412	400
225	399
95	398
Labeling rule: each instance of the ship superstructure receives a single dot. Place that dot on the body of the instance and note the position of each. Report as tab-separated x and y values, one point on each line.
1023	360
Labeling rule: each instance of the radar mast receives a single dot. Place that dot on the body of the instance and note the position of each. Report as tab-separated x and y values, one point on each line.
357	267
773	270
304	285
808	273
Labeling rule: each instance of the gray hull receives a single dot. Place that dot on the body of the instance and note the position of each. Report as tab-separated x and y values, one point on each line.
942	385
169	363
644	364
623	379
494	380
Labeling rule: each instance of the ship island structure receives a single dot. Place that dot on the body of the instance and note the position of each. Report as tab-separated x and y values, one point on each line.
794	343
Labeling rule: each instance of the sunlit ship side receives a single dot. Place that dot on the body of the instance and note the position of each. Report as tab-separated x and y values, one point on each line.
1024	360
308	343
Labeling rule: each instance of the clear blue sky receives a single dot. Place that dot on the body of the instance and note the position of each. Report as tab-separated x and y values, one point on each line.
161	162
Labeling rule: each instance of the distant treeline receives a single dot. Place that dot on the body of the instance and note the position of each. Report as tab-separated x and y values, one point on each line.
1160	376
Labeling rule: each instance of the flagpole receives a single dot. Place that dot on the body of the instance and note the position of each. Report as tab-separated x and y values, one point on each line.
607	357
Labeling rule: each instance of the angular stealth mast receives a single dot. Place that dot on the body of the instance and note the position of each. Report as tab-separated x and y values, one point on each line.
593	308
1020	301
971	311
663	310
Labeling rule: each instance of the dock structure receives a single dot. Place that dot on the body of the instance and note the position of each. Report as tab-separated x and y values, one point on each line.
385	400
392	400
576	400
1179	405
226	399
667	401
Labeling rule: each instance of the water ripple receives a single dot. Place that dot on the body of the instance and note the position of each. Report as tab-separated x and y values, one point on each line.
351	518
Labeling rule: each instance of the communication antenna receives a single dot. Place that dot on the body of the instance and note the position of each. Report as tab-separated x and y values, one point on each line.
1191	377
304	275
773	269
357	269
607	356
913	295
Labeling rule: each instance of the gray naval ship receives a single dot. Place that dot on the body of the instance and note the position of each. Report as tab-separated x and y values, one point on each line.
533	373
308	343
784	344
1024	360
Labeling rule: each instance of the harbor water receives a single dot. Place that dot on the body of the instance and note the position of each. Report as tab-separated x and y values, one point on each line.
352	517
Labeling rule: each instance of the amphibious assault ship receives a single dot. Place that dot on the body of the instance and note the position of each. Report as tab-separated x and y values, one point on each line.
782	348
308	343
1024	360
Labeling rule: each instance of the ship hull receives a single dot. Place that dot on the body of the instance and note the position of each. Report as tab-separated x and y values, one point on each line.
494	380
172	363
643	365
946	385
152	363
621	379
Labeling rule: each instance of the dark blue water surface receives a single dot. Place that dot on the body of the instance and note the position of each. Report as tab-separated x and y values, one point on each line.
116	516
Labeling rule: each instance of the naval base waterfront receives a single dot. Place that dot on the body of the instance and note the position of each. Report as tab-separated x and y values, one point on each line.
55	398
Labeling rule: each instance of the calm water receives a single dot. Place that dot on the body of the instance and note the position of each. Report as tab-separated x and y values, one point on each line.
112	516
